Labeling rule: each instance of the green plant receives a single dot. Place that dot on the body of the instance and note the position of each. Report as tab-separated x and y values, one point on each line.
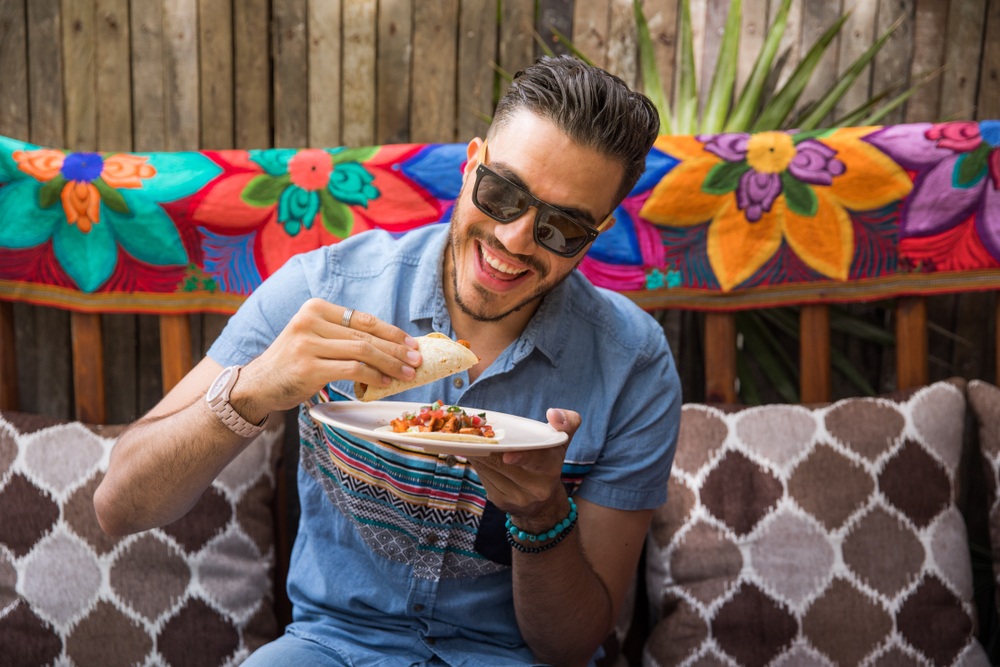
763	335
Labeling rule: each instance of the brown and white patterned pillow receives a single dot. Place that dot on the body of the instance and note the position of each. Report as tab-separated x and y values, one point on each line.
984	398
196	592
826	535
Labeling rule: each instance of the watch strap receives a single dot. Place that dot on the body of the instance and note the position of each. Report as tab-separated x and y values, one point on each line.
228	415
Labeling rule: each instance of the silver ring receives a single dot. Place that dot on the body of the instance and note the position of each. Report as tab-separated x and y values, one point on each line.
345	321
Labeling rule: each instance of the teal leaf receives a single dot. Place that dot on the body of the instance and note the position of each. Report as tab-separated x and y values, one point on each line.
724	177
799	196
971	167
265	190
148	234
351	184
337	217
49	192
273	160
111	197
298	206
22	223
178	174
88	259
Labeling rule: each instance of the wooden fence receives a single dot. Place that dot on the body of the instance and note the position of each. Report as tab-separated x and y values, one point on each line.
186	74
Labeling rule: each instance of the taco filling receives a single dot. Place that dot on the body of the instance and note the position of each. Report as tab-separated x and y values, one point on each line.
443	419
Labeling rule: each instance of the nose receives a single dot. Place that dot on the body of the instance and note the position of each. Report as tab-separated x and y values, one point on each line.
518	235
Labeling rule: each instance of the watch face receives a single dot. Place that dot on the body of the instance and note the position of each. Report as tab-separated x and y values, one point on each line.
219	384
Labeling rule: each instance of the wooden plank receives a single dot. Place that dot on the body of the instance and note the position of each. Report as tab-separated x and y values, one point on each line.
9	397
477	48
911	342
251	44
324	26
814	354
698	13
663	25
962	57
358	92
291	81
215	73
148	362
45	80
591	29
817	17
14	59
716	13
88	368
623	52
114	76
930	25
149	123
180	77
517	48
892	62
988	103
395	34
175	349
753	28
856	36
555	15
435	47
79	40
720	358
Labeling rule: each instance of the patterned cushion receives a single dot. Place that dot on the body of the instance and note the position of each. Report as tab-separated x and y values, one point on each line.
197	592
815	536
984	398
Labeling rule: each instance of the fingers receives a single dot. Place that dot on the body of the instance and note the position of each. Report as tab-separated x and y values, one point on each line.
566	421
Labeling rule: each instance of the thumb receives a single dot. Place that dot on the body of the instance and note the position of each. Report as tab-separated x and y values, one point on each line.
563	420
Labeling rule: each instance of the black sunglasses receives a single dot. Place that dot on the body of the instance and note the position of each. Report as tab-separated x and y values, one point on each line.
555	230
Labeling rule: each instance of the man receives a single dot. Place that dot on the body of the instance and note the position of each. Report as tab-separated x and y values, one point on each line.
408	559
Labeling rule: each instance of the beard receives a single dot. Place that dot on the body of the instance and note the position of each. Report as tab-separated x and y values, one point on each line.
488	307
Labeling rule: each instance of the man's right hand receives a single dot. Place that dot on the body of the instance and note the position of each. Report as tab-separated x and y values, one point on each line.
316	348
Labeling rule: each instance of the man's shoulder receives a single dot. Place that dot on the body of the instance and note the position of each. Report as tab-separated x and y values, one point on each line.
614	314
368	253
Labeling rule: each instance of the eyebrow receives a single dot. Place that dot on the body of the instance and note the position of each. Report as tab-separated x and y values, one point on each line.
505	171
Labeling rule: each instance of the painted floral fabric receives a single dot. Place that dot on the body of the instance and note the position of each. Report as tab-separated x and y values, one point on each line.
730	220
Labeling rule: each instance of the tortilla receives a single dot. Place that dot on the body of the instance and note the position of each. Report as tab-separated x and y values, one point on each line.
449	437
442	357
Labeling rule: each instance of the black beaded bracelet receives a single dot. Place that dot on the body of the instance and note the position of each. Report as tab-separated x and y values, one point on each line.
545	547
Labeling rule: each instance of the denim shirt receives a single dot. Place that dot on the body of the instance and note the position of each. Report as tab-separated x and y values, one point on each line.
401	554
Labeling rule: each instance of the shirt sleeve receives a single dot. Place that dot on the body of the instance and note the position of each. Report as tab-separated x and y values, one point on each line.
632	470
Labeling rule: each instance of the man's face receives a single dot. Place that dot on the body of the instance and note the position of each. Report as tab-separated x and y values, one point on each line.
497	268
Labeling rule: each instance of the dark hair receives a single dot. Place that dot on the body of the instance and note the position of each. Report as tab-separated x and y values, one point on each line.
594	108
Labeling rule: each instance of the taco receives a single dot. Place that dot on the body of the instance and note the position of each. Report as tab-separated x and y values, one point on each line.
445	422
442	357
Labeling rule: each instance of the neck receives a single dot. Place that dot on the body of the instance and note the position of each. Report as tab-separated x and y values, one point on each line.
488	339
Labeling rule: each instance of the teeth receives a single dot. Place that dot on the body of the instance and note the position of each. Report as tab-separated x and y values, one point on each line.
499	265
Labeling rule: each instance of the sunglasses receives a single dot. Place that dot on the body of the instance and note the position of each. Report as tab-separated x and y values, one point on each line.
556	230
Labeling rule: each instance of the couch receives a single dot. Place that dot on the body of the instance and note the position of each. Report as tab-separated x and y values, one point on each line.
818	532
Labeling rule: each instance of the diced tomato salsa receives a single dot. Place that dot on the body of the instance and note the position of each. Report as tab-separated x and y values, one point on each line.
440	418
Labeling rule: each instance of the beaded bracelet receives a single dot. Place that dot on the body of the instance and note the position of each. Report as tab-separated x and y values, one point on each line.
545	547
562	527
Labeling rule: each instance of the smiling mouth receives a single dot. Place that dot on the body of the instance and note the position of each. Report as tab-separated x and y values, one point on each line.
498	264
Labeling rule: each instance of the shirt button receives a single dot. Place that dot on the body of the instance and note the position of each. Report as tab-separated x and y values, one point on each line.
418	608
451	460
430	641
432	539
458	383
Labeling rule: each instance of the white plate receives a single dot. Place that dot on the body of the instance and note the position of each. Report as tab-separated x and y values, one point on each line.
361	419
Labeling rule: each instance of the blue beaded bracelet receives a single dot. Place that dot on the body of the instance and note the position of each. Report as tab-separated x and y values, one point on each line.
554	532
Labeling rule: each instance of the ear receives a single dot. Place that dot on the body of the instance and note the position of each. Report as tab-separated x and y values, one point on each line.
470	158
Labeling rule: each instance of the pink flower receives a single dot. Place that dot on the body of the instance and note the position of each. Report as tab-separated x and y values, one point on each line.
961	136
310	169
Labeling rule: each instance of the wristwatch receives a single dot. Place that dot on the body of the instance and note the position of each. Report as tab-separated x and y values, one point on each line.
217	398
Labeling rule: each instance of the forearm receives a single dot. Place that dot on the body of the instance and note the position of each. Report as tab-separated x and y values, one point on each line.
160	467
563	608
